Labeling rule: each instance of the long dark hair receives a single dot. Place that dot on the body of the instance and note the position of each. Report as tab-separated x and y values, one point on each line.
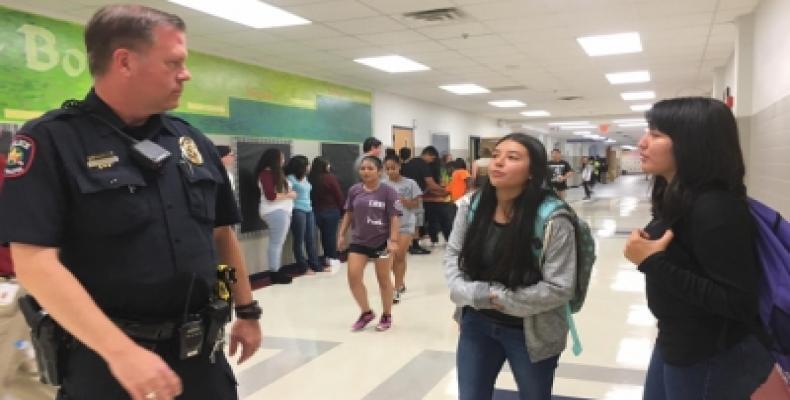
272	159
319	168
706	150
515	264
297	166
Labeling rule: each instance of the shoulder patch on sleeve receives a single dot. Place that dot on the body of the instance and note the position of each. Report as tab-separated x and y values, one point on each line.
20	156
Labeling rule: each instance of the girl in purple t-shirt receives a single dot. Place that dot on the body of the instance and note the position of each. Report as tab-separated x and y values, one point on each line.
372	211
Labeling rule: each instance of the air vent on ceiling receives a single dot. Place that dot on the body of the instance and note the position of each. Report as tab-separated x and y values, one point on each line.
508	88
570	98
436	15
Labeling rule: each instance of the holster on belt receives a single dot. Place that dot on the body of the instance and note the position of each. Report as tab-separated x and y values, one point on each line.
48	338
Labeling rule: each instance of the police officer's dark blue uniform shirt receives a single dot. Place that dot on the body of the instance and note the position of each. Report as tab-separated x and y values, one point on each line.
131	236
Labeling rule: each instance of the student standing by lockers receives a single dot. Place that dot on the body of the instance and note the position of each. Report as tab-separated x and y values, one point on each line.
698	255
511	306
277	202
410	194
327	205
303	218
372	211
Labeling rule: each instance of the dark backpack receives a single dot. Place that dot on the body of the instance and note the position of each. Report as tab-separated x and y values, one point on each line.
773	251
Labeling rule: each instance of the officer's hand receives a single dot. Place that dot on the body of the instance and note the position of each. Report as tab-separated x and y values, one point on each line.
144	374
248	333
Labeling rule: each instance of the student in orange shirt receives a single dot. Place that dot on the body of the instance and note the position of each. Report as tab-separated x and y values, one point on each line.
461	180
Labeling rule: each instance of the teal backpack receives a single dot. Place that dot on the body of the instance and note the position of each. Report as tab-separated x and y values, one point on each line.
585	254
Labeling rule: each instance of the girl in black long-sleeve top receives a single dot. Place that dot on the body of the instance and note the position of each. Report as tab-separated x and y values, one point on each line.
698	256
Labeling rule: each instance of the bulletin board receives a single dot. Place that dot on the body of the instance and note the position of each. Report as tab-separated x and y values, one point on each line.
341	157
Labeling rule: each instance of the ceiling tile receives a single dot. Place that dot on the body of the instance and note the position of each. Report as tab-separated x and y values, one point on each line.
366	25
332	11
456	30
403	6
384	38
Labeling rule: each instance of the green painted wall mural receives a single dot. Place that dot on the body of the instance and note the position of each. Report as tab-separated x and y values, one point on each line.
43	62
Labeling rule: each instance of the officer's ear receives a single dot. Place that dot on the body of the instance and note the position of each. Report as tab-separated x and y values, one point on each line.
123	61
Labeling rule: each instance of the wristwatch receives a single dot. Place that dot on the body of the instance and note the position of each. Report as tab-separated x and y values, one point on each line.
249	311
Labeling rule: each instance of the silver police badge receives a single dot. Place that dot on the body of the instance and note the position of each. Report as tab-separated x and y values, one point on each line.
189	150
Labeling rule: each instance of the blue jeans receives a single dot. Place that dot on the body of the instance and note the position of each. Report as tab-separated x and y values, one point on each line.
484	346
731	375
327	221
303	231
278	222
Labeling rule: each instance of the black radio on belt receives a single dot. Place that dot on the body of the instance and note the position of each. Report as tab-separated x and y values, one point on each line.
145	153
190	338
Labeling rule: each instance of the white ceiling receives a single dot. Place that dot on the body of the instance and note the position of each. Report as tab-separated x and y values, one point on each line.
498	43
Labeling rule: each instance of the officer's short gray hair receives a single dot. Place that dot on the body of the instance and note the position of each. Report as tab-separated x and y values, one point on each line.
123	26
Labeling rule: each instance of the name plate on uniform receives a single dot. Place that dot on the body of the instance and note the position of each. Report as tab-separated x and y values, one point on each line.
102	160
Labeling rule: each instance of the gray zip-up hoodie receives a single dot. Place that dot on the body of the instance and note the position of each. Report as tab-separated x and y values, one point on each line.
542	305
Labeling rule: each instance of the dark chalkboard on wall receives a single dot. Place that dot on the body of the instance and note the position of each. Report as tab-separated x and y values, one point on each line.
341	157
248	152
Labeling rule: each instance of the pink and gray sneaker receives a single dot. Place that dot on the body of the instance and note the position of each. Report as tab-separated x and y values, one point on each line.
384	323
363	321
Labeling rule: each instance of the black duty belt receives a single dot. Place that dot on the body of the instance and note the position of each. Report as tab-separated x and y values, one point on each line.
156	331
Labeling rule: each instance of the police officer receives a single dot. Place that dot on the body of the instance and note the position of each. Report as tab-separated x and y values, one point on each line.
118	241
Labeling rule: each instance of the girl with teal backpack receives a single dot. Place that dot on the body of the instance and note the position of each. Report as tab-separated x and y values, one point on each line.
513	269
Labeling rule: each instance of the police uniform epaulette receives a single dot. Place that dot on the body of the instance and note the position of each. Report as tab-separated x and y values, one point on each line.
179	119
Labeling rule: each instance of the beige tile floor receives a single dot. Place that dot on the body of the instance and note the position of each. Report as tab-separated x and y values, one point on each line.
310	353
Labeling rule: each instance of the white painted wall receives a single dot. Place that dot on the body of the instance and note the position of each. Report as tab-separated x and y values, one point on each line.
771	53
427	118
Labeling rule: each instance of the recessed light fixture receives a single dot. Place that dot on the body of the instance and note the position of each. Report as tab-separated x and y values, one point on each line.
605	45
507	103
645	95
535	113
633	125
465	88
569	123
392	64
252	13
641	107
620	78
581	133
611	141
576	127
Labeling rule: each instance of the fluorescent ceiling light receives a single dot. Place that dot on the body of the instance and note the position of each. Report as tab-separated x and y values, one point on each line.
581	133
507	103
611	141
251	13
535	113
392	64
619	78
465	88
576	127
645	95
569	123
641	107
605	45
633	125
629	120
626	147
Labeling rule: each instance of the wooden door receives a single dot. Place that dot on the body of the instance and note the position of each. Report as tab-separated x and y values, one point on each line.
403	137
